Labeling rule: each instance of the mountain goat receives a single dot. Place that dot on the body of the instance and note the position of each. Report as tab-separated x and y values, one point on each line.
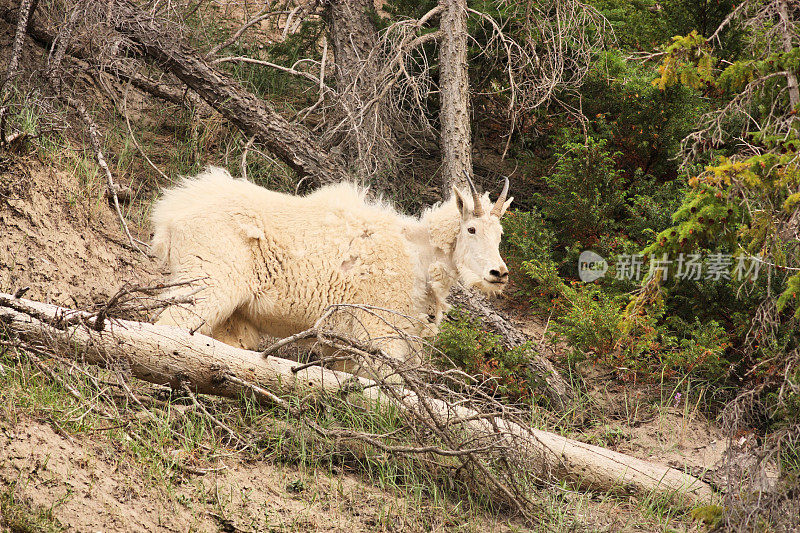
266	263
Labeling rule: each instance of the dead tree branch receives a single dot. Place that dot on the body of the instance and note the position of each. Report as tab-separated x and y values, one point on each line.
94	140
25	9
235	36
292	143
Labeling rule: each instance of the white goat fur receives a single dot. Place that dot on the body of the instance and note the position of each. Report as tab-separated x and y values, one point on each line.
268	263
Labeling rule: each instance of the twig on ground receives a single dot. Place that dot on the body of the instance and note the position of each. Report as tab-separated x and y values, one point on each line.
19	293
231	433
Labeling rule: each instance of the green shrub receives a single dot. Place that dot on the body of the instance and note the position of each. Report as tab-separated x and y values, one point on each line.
526	237
586	193
541	283
591	322
527	247
651	206
642	122
644	345
702	350
481	354
655	349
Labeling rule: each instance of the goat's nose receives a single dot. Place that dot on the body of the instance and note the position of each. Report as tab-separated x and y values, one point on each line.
499	273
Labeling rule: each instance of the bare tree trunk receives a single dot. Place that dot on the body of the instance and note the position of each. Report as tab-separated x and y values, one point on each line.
353	37
170	355
361	131
455	140
25	9
456	146
791	75
292	143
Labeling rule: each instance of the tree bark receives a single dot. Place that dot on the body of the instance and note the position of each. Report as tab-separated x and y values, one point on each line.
455	140
363	134
169	355
353	37
290	142
791	76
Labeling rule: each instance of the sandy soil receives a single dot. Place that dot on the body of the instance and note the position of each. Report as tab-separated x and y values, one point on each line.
63	244
89	489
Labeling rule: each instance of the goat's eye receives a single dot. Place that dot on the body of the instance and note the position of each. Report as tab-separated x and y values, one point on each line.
471	230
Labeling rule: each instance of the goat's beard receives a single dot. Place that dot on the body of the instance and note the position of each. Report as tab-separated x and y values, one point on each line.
474	281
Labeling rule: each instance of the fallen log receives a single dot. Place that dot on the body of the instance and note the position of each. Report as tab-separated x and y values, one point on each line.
168	355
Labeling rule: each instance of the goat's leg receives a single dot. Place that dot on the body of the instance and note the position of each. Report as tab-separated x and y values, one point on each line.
238	331
213	304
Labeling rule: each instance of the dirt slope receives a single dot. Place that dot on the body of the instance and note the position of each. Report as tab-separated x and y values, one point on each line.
89	489
61	239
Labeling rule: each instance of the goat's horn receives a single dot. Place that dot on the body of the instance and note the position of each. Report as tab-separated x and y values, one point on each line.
476	198
497	210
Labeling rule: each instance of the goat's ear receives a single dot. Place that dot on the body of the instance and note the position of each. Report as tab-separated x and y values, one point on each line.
461	203
505	207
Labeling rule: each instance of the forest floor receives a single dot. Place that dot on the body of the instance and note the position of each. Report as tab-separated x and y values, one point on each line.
65	467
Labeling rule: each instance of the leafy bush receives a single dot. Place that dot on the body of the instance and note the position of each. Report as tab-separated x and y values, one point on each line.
653	349
542	284
702	351
526	237
642	344
640	121
481	354
527	247
586	192
644	24
591	323
651	206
